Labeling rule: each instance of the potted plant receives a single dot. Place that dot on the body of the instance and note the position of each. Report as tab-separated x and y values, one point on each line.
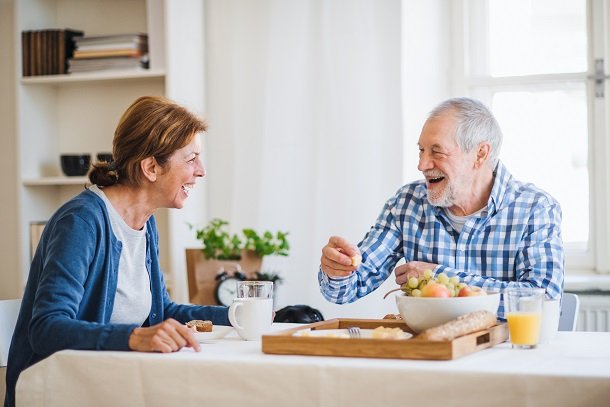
230	253
219	244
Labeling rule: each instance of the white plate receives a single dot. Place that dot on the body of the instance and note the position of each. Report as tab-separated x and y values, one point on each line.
218	332
342	333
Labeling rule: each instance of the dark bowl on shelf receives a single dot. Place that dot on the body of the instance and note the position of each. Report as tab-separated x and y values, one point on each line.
107	157
75	164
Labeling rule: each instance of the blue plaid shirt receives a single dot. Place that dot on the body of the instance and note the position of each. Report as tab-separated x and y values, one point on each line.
514	241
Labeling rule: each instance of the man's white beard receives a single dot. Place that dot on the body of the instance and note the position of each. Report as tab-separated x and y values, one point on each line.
445	199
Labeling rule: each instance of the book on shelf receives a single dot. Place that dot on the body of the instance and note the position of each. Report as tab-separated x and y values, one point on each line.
101	64
110	46
106	52
45	52
137	42
113	39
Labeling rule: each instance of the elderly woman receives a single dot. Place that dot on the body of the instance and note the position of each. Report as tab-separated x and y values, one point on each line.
95	280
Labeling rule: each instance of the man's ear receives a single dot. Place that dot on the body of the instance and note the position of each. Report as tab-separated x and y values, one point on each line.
150	168
482	154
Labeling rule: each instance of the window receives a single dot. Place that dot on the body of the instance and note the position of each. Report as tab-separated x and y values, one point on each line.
529	60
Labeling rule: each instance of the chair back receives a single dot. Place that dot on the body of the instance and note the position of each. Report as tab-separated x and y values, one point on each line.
570	305
9	310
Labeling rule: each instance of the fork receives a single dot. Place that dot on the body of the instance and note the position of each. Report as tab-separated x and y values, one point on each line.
353	332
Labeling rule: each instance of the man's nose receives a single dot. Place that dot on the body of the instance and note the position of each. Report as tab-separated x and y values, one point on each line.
425	163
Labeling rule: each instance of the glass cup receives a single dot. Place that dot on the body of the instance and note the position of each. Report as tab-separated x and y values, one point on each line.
524	315
251	313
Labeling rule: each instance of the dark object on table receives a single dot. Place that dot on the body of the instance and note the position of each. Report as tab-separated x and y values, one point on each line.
107	157
75	164
300	314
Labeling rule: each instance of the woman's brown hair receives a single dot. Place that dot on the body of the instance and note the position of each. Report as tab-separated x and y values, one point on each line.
152	126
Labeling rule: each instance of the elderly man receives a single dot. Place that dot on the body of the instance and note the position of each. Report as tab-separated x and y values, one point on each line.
468	218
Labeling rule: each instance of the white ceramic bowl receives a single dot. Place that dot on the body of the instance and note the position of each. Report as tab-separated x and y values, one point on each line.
421	313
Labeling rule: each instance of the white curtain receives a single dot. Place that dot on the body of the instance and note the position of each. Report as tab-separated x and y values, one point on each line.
304	106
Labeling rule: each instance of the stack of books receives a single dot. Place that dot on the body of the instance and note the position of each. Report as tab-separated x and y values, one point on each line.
45	52
120	51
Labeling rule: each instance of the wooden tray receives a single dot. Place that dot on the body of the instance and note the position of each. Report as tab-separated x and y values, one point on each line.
285	343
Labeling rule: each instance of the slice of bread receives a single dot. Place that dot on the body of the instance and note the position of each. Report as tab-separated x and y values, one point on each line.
199	325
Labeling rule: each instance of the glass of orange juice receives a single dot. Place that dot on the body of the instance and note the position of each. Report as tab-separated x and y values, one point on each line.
524	315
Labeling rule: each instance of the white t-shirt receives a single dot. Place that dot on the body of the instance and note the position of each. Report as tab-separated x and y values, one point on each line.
133	299
458	222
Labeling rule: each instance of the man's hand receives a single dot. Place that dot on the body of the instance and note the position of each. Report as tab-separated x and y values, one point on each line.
168	336
339	257
412	269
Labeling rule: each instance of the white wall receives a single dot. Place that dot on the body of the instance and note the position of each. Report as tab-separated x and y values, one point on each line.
255	50
427	69
9	273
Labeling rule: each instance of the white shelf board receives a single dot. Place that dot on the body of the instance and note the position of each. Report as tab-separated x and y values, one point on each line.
110	75
55	181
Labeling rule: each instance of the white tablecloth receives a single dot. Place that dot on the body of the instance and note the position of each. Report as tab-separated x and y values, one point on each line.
574	369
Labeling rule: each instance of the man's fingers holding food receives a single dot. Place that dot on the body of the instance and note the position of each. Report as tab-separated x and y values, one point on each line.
356	260
334	269
342	251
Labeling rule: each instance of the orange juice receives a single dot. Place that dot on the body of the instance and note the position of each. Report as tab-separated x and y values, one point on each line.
524	327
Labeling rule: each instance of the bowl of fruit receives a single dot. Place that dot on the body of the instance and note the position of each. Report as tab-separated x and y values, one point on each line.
428	301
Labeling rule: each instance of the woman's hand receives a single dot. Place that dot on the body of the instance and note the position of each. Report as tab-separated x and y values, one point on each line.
339	257
168	336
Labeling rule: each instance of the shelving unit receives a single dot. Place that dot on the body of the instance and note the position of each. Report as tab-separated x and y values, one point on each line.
54	181
89	77
60	114
77	113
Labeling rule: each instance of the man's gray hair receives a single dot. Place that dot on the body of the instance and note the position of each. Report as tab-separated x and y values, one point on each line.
475	124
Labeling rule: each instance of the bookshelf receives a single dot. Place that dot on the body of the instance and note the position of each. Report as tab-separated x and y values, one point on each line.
58	114
88	77
77	113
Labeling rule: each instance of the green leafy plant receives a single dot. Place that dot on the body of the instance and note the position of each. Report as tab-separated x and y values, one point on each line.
219	243
266	244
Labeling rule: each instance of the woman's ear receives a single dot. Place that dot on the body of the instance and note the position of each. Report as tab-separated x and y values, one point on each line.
150	168
482	154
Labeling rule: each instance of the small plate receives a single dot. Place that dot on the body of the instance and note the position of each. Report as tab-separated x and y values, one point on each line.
342	333
218	332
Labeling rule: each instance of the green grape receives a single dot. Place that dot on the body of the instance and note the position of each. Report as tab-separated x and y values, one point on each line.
406	289
428	274
450	286
416	293
413	282
455	280
461	285
442	278
421	284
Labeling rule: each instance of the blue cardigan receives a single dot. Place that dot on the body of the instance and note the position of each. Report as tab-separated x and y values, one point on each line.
70	291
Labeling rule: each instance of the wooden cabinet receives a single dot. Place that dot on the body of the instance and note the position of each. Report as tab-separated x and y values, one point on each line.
77	113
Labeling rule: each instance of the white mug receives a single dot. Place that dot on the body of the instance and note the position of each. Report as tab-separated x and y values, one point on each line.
550	320
251	313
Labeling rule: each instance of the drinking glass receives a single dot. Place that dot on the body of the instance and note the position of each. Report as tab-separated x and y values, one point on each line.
524	315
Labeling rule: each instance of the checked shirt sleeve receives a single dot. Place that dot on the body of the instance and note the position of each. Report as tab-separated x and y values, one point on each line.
381	249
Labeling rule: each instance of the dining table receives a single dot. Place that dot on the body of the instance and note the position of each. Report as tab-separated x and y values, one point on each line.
573	369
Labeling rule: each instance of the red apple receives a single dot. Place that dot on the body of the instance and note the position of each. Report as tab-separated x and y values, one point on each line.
435	290
468	291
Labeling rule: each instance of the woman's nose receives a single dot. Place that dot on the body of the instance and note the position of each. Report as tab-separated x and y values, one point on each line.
200	172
